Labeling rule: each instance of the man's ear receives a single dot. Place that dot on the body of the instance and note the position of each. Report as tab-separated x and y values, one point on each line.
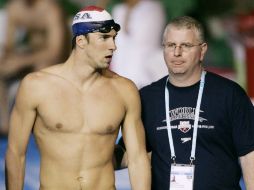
81	41
203	51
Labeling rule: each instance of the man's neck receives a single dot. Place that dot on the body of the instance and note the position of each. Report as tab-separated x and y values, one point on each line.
184	80
80	73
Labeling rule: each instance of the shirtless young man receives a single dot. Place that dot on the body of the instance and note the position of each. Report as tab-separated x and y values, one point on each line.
37	36
75	110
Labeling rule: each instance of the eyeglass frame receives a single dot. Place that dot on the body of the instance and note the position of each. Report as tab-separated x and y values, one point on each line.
185	47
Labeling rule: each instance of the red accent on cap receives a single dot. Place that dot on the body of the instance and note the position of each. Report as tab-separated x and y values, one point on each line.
92	8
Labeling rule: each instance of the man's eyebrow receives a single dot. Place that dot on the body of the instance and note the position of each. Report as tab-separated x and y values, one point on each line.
108	35
105	35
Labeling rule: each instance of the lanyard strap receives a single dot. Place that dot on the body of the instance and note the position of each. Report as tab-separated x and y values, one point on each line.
195	128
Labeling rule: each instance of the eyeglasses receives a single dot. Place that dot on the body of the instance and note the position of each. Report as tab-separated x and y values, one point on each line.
185	47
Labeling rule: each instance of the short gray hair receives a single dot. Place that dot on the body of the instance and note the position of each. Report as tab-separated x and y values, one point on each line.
188	23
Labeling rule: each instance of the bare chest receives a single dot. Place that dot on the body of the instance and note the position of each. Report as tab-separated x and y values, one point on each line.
72	112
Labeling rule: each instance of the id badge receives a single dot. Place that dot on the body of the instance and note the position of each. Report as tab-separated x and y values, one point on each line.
181	177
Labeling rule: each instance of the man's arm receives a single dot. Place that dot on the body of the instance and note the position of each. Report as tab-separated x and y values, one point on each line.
134	138
120	160
21	123
247	164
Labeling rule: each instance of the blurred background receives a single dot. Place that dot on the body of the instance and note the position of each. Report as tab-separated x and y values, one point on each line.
229	30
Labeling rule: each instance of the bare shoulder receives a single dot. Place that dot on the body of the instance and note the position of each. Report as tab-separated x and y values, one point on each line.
126	88
34	81
37	82
44	73
29	90
121	82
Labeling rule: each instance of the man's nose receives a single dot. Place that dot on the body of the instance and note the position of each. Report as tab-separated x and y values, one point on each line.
112	45
178	51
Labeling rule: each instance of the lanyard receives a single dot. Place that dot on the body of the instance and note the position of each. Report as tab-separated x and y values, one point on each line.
195	128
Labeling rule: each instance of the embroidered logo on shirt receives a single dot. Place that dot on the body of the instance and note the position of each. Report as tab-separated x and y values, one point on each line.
179	117
184	140
184	126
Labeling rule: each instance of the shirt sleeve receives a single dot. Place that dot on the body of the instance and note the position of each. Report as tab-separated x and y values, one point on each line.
243	122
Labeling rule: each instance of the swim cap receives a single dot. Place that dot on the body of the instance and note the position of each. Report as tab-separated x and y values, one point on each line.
93	19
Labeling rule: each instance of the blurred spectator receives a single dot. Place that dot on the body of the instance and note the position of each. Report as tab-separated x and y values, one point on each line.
70	7
82	3
37	36
229	24
3	21
138	56
246	28
220	57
